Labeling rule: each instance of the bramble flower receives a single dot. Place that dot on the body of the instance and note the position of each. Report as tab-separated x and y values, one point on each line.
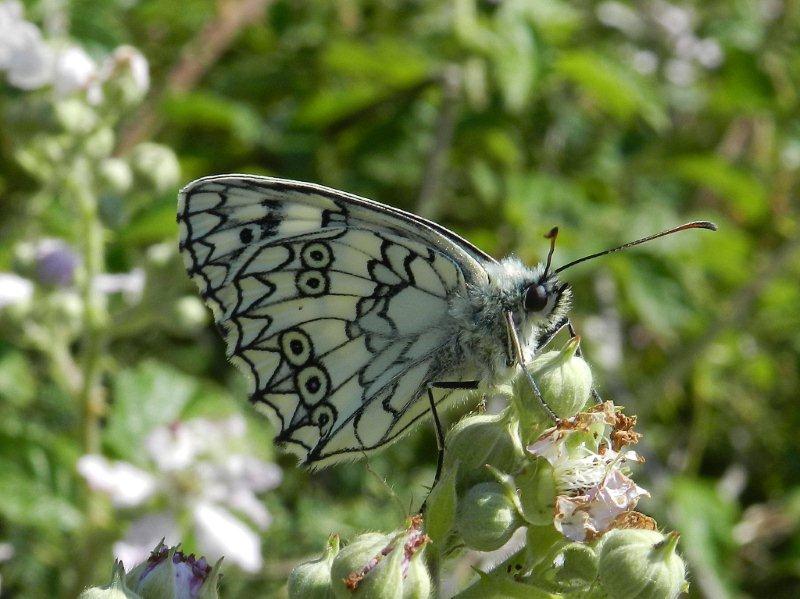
588	467
201	466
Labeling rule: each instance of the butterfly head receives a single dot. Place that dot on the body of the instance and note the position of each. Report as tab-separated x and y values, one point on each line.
545	296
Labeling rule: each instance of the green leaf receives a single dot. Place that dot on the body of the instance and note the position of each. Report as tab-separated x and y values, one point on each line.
29	502
17	382
616	89
743	192
145	397
705	520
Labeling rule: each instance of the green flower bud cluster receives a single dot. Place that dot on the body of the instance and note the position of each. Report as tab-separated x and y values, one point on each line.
372	565
567	484
491	485
167	574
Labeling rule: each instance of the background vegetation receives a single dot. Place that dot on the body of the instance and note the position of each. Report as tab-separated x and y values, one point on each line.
499	119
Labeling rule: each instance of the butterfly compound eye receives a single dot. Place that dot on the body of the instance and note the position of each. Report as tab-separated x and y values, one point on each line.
535	298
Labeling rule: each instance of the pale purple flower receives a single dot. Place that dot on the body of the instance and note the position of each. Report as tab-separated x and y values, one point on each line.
592	489
14	290
56	262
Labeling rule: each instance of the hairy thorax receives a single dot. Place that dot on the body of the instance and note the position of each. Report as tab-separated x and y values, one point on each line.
481	348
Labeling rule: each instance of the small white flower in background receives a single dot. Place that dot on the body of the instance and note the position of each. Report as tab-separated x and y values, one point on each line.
592	489
129	284
74	70
131	60
30	62
6	552
620	16
124	483
201	466
24	55
14	290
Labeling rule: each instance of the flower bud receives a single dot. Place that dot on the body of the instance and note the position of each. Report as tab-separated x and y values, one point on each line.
100	143
171	574
564	379
312	580
190	314
383	566
482	439
76	116
576	567
55	262
487	517
537	492
116	589
641	564
128	77
115	175
440	513
156	165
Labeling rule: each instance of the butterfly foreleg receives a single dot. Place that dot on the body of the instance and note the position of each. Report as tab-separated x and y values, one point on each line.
516	350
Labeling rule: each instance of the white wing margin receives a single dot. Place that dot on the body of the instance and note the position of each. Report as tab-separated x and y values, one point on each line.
335	307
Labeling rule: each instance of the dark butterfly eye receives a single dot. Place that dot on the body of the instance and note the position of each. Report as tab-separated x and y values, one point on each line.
535	298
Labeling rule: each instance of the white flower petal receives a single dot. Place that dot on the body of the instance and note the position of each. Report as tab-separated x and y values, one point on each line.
143	535
14	289
125	484
173	447
219	534
244	501
74	69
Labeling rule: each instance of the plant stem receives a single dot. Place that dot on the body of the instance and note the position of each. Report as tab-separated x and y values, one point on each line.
91	395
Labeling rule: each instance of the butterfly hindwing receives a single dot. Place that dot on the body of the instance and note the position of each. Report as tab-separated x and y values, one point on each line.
334	307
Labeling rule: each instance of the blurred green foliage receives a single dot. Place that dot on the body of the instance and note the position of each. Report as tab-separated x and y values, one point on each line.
499	119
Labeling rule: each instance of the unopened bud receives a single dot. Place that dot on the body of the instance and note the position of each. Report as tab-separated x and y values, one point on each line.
440	514
641	564
170	574
383	566
487	517
564	379
537	492
115	175
482	439
116	589
576	567
156	165
312	580
76	116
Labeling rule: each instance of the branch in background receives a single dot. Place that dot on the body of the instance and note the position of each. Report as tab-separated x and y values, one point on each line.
429	196
197	57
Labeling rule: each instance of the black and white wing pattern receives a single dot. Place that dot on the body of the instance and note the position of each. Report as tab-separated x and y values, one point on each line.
334	306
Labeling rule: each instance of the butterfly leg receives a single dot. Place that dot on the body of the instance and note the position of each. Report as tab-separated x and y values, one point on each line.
519	354
572	333
437	423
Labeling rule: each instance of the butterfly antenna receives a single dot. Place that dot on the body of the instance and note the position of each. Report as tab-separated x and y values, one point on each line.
698	224
552	237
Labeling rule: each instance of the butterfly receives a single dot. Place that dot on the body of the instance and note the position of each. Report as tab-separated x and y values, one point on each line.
354	321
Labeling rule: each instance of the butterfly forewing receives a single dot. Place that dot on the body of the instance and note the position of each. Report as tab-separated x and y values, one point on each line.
335	307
